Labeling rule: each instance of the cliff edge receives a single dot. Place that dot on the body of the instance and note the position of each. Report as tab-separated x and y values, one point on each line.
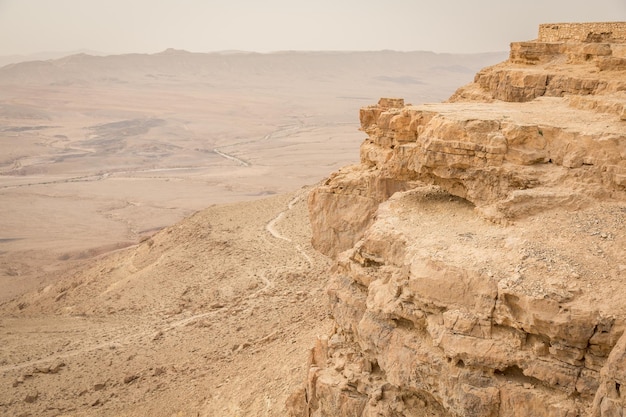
479	245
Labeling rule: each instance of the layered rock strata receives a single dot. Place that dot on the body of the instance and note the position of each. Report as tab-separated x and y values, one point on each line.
480	245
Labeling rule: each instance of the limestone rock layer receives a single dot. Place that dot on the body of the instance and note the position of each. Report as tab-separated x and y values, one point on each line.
480	245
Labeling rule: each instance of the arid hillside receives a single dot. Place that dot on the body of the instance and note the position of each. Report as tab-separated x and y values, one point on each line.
212	316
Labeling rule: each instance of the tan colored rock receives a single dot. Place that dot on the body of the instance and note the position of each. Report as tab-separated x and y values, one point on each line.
496	154
31	397
439	310
582	32
436	323
562	61
342	208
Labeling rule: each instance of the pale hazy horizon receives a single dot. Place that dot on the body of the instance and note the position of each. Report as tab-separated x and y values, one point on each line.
142	26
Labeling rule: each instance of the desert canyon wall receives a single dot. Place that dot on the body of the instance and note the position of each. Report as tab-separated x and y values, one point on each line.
479	246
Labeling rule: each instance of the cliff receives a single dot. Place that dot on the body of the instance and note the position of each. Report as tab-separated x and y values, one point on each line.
479	246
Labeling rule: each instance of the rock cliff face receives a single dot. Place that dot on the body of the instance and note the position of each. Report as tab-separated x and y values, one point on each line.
480	245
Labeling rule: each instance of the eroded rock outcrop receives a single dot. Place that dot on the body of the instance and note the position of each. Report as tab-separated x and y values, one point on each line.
480	245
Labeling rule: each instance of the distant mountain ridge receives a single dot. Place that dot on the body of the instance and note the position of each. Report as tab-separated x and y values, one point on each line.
42	56
85	67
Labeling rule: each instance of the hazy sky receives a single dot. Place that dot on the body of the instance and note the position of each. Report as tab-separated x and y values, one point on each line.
121	26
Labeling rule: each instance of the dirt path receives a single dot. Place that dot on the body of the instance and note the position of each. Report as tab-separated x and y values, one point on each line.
231	158
282	130
271	227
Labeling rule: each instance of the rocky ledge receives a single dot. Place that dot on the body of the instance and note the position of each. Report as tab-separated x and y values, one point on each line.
480	245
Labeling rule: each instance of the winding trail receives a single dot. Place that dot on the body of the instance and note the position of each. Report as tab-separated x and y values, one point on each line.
271	228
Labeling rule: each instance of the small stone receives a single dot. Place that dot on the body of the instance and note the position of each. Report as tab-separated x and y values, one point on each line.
31	397
378	394
340	365
336	341
130	378
42	369
242	346
56	367
99	387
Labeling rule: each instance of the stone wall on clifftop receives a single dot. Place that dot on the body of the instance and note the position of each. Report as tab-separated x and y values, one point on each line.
480	245
582	32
